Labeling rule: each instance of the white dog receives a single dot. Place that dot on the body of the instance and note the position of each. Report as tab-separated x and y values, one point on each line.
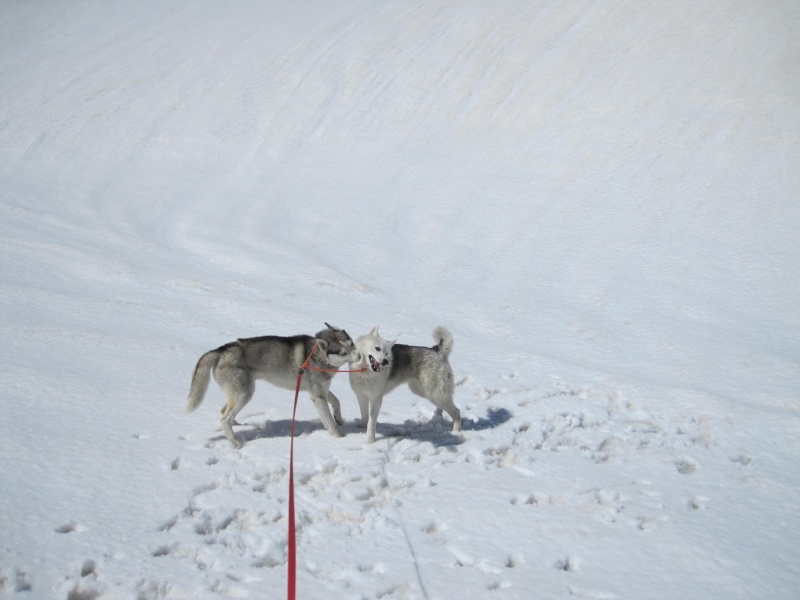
388	364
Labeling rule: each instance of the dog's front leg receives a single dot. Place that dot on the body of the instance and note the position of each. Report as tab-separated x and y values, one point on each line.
337	407
320	399
363	404
374	411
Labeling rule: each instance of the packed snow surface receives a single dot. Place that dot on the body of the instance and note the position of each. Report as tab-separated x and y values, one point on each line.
601	201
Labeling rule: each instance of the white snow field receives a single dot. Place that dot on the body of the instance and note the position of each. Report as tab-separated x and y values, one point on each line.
601	200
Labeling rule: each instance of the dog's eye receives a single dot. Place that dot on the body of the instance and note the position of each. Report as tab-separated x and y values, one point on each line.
378	348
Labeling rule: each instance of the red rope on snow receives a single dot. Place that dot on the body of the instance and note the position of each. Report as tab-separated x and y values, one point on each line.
291	577
292	573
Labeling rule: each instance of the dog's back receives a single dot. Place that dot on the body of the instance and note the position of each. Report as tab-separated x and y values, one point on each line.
426	370
275	358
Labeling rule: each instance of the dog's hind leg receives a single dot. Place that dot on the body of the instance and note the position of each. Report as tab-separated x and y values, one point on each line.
222	412
454	413
446	403
239	391
228	418
440	392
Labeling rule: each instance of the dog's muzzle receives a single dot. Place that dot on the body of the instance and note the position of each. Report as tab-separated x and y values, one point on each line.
374	364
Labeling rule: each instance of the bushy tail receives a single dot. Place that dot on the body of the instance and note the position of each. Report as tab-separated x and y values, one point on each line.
202	374
443	339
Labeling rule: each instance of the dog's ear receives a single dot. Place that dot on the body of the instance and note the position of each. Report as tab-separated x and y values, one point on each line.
339	330
375	330
322	345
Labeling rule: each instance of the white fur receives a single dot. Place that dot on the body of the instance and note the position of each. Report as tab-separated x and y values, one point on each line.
387	365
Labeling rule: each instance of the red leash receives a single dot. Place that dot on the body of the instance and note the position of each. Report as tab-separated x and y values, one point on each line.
292	561
292	574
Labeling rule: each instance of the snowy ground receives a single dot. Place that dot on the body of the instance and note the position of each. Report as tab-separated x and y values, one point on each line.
599	199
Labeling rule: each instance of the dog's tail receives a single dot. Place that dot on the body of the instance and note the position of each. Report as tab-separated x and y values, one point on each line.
200	378
443	339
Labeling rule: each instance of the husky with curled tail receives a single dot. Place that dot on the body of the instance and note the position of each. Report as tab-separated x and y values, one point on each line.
387	365
237	365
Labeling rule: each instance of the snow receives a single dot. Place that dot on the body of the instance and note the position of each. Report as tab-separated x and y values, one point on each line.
599	200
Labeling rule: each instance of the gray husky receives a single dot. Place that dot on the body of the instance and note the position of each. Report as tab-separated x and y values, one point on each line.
237	365
388	364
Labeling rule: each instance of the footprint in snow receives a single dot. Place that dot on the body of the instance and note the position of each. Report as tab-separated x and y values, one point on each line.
686	465
169	524
202	489
163	550
515	560
18	582
498	585
70	527
435	528
646	523
83	592
569	564
465	559
89	568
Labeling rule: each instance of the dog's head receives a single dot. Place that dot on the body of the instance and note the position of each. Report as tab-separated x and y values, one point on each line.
337	346
376	351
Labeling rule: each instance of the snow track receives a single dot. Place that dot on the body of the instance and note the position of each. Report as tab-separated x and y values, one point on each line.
599	200
599	479
641	477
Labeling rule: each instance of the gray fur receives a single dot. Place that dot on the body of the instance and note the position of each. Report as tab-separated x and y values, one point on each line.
236	367
387	365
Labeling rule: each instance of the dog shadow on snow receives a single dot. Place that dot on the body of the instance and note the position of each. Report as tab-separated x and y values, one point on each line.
436	431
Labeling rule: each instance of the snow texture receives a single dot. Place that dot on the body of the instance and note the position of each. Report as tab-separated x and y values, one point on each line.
599	200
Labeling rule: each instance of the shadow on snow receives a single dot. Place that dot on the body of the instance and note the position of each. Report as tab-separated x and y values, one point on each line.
436	431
